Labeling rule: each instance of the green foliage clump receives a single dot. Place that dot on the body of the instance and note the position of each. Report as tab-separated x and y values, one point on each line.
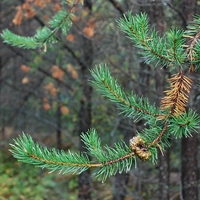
25	181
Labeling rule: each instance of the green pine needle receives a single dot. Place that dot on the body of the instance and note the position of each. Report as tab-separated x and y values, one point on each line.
46	35
109	160
130	105
62	20
184	125
166	51
19	41
25	150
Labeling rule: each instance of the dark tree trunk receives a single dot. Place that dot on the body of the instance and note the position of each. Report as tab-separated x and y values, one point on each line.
85	107
189	171
121	180
2	122
156	15
163	161
120	186
189	162
84	125
188	10
59	123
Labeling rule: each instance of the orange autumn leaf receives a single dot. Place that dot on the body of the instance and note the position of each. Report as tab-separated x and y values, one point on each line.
26	6
74	74
64	110
28	9
70	37
53	92
46	106
57	72
72	71
30	13
45	100
40	3
89	30
25	68
50	87
46	17
75	18
57	7
17	20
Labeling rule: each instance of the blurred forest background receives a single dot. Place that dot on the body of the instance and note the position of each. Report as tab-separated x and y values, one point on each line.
47	95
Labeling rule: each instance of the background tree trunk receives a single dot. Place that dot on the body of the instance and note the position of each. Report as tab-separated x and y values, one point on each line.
156	15
59	123
85	106
121	180
189	170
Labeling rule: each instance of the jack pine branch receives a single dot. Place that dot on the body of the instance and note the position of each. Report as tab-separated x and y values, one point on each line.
161	134
46	35
155	137
137	29
180	85
25	150
110	160
193	28
183	125
175	46
175	126
172	120
130	105
174	103
167	50
108	87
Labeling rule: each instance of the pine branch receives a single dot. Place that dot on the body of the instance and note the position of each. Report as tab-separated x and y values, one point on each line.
46	35
110	160
130	105
165	51
193	27
19	41
194	56
171	120
137	29
25	150
184	125
160	136
175	46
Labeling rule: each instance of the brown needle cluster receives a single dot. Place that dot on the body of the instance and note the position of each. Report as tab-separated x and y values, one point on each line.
176	96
